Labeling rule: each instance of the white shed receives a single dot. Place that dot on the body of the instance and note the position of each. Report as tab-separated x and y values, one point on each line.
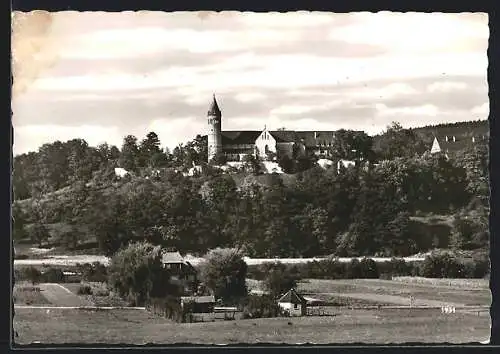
293	303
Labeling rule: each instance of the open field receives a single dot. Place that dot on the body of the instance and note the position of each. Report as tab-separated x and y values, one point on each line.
347	326
454	283
396	292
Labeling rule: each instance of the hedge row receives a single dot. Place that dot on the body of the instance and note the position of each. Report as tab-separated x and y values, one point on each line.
91	272
170	307
34	275
444	265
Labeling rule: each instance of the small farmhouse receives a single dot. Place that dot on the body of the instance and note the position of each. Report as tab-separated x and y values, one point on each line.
182	272
293	303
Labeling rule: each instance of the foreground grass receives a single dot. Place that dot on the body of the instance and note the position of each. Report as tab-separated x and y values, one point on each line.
348	326
28	294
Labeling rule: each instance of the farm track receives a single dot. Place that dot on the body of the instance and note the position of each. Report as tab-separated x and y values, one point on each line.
397	292
393	299
58	295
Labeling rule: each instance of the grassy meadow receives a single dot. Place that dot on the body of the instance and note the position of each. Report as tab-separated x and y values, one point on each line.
346	326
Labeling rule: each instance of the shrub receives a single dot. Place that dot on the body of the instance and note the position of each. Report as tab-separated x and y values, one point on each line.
94	272
393	268
30	273
260	307
53	275
169	307
477	267
368	268
84	290
443	265
353	269
279	279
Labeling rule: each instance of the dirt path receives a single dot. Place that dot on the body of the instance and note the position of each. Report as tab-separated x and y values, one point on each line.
60	296
393	299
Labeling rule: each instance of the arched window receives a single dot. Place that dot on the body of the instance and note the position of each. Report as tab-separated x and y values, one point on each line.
266	149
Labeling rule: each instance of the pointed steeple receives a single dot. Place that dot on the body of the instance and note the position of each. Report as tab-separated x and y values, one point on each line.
435	146
214	108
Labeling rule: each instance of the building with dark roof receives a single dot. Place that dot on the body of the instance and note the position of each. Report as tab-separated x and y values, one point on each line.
292	303
181	271
234	144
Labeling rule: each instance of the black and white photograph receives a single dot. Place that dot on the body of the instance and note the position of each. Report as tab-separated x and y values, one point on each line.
250	178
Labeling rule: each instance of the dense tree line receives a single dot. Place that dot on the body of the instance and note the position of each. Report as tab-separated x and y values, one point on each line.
361	210
58	165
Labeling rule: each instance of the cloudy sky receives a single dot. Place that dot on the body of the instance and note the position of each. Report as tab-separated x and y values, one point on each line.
101	76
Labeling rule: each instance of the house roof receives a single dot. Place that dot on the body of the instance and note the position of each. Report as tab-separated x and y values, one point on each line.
172	257
240	136
291	296
199	299
284	136
308	138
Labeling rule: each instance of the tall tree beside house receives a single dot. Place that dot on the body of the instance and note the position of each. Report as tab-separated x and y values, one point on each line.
278	279
136	273
224	272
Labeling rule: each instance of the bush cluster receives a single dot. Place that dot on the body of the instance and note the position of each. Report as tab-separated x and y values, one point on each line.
444	265
255	306
169	307
94	272
34	275
84	290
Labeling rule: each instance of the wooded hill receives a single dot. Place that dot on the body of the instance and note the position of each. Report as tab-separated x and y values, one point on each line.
68	194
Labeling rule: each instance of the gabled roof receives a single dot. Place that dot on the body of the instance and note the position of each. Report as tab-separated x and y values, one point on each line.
199	299
172	257
435	146
240	136
284	136
291	296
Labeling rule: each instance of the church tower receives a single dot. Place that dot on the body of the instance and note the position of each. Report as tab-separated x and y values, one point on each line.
214	136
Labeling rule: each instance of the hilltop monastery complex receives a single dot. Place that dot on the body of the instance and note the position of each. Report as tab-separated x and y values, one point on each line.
234	144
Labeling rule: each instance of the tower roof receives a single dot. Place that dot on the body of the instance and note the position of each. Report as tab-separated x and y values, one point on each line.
214	107
435	146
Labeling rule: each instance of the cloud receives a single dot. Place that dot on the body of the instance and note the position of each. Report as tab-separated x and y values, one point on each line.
446	86
414	32
129	73
31	137
482	110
